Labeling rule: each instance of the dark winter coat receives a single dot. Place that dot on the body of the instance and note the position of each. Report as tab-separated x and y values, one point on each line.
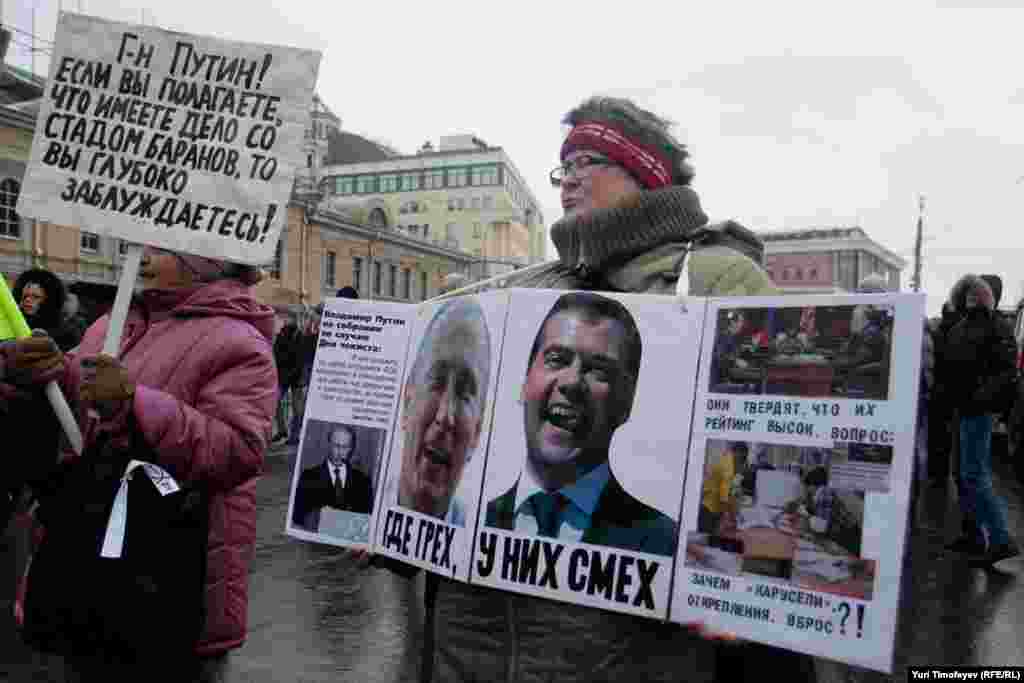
286	355
978	359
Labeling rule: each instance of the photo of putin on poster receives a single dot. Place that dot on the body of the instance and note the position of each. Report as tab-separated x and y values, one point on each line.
442	410
337	469
581	381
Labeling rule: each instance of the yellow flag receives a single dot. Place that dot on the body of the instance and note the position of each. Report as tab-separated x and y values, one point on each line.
12	322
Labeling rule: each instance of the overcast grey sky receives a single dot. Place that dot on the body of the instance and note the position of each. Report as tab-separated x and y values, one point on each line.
797	114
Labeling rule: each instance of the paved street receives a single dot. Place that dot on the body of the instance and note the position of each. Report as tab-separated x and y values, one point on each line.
314	617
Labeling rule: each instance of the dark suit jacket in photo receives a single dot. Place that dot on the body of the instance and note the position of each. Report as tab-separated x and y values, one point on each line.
316	490
619	521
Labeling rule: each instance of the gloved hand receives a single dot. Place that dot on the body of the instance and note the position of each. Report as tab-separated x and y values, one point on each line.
34	360
106	384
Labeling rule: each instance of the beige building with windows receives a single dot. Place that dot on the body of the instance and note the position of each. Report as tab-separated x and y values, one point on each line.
465	195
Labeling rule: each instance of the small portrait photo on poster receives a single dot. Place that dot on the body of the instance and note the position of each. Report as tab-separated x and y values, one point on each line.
774	511
577	389
336	470
809	351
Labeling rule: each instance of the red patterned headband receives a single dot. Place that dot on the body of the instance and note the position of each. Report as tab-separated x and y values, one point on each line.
647	166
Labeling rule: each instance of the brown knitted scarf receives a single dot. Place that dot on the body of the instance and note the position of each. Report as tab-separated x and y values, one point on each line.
604	238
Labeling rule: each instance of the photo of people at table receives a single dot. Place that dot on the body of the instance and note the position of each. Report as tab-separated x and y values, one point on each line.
811	351
768	510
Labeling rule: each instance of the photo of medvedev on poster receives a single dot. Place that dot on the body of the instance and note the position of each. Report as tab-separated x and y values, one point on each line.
586	460
350	407
428	510
798	482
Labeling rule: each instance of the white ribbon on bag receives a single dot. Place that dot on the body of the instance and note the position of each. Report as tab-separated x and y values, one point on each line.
113	540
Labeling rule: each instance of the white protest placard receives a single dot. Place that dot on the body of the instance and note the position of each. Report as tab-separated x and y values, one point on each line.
181	141
594	405
350	407
798	485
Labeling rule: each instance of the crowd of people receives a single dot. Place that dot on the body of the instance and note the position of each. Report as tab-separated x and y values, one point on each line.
197	392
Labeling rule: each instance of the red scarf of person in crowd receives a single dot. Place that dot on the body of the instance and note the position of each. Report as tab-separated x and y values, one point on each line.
647	165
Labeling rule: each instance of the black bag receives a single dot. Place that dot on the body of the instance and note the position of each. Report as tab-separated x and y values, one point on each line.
146	605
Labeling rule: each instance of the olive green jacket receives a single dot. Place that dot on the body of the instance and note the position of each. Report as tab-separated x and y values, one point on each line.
642	246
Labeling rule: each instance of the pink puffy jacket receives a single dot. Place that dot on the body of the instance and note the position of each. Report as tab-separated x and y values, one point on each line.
206	389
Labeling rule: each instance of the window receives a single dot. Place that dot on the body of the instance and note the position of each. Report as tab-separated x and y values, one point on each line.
410	181
90	242
476	203
460	203
329	260
343	186
309	161
423	283
10	222
484	175
456	177
785	274
451	204
376	278
434	180
426	230
488	202
813	274
378	219
406	283
414	229
122	251
477	230
275	266
393	279
799	274
449	231
389	183
366	184
357	272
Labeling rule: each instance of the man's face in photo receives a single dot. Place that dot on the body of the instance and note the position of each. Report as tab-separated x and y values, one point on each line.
577	391
441	419
341	447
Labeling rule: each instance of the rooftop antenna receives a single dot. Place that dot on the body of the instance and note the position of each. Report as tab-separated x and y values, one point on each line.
33	48
917	243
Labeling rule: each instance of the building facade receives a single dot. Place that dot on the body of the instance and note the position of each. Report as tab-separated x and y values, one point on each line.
827	260
465	195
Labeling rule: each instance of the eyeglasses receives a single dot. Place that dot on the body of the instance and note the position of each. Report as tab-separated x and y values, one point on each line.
576	166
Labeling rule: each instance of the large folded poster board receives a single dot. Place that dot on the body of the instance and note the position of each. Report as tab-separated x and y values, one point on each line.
740	462
182	141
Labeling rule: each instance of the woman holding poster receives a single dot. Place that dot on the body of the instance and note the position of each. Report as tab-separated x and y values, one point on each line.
632	224
179	420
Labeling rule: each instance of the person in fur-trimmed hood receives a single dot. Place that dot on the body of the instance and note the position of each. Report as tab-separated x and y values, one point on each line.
632	224
41	297
979	372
